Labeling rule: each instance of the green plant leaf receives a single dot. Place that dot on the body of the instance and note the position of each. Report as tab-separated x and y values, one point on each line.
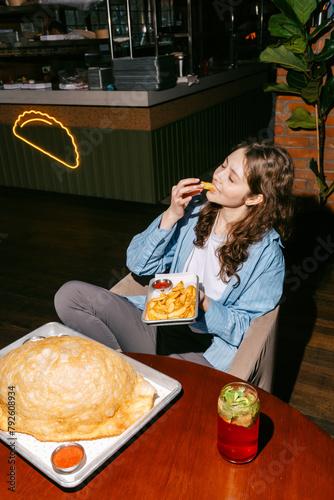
282	27
329	190
327	52
287	9
280	88
314	167
304	9
309	74
296	44
318	31
296	79
327	96
311	92
301	118
310	54
319	70
284	57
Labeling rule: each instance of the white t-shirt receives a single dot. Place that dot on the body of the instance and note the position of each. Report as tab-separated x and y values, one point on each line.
205	263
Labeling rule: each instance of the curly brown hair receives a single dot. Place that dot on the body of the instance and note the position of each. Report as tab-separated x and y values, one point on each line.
269	171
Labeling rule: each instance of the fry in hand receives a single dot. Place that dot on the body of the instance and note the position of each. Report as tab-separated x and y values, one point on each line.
208	186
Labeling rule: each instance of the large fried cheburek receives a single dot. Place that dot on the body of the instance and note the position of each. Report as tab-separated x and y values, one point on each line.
71	388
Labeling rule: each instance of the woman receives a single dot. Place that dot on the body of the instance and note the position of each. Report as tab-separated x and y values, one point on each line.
231	241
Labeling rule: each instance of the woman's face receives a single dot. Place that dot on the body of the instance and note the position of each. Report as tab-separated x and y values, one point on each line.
232	189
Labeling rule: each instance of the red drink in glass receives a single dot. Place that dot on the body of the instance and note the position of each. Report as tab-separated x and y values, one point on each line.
238	422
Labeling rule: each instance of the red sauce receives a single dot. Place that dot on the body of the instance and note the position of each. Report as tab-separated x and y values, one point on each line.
67	457
163	284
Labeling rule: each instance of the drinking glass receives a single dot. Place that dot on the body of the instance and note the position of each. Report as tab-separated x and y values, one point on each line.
238	422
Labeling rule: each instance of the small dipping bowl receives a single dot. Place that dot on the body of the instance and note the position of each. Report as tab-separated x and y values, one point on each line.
162	285
68	458
34	339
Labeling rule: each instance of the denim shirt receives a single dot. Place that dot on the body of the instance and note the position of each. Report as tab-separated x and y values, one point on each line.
227	319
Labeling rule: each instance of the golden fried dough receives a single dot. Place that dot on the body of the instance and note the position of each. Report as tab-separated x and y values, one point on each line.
71	388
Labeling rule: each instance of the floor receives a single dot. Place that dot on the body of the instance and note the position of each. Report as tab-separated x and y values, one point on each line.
47	239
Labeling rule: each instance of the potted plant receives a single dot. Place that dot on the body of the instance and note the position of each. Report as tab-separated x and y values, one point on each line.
309	72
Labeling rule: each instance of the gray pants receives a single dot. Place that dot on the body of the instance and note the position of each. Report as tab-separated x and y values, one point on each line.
110	319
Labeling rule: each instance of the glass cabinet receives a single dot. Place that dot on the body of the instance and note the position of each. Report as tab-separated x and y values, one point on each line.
150	28
211	37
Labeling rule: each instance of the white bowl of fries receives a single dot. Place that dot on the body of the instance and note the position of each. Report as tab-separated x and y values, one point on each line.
179	305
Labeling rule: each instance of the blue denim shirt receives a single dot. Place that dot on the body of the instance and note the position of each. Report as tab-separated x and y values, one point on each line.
227	319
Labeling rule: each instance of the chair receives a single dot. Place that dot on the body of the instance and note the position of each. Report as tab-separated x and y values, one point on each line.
255	358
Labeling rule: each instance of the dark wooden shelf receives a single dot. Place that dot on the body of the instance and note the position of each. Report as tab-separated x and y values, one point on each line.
45	48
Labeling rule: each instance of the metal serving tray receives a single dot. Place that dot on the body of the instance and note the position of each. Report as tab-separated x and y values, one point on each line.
188	279
98	450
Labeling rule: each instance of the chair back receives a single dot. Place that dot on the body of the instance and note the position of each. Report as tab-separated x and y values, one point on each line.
255	357
131	285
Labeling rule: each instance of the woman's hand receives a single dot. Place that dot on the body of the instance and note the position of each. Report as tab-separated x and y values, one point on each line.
182	193
204	301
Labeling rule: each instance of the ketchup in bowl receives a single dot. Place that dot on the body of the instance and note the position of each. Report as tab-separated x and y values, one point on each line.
162	285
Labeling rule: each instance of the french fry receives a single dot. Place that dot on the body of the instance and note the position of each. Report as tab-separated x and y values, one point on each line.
183	298
173	295
191	311
191	291
178	303
171	308
150	315
162	308
158	315
178	313
208	186
178	286
158	299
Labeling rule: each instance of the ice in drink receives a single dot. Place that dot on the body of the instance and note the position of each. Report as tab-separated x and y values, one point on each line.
238	422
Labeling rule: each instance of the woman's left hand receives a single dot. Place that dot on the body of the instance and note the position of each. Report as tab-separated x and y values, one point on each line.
204	301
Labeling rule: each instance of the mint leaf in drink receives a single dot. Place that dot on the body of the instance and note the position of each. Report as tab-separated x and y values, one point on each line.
251	398
237	404
229	395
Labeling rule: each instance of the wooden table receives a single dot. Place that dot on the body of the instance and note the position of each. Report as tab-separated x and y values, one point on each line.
176	457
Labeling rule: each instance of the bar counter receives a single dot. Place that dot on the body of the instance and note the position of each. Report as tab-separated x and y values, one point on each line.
121	98
132	145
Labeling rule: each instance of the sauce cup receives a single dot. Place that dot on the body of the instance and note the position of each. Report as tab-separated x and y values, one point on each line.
162	285
68	458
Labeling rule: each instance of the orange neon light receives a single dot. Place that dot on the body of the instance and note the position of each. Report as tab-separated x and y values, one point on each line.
251	36
34	120
38	116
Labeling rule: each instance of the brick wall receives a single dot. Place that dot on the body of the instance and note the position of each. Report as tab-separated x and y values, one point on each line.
302	145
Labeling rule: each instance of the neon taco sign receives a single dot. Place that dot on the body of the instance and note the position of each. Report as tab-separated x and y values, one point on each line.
37	117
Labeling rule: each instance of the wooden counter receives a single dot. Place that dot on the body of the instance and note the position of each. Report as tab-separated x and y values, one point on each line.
139	110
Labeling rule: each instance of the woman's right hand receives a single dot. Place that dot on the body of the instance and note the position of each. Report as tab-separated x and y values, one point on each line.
182	194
